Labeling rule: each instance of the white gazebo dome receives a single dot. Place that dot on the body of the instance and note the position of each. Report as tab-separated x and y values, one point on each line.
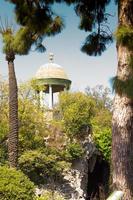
52	78
52	74
51	70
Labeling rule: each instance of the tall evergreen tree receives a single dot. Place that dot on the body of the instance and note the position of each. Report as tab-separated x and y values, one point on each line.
122	123
122	127
19	43
93	17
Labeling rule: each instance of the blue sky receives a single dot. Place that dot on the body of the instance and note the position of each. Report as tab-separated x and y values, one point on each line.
83	70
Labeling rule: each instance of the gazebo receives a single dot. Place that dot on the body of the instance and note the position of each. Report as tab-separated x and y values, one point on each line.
54	79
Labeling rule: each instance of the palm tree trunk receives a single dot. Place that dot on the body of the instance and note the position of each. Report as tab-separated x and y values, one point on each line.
122	138
13	113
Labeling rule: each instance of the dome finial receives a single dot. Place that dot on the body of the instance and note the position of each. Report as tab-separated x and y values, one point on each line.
51	57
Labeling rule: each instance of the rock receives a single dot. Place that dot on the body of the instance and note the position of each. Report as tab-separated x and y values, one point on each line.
73	186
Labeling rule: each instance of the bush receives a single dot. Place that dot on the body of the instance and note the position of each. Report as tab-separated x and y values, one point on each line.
73	151
102	140
101	125
49	195
39	166
14	185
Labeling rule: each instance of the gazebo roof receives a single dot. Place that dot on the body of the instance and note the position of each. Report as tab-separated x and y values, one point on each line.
52	74
51	70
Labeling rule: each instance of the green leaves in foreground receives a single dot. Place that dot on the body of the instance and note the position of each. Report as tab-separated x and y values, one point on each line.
14	185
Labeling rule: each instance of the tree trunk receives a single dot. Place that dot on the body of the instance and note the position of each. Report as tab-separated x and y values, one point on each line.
122	138
13	113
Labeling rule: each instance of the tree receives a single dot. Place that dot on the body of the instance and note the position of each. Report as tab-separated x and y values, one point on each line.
122	125
8	37
93	15
19	43
102	96
76	110
122	141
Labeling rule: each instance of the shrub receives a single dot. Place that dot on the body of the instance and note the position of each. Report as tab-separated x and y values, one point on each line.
73	151
49	195
101	126
39	166
14	185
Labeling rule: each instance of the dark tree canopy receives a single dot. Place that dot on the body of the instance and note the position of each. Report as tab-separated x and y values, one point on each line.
41	21
37	21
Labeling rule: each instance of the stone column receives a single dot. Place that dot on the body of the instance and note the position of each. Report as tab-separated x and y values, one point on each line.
41	99
50	97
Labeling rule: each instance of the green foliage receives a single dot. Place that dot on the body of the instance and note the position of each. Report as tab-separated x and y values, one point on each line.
45	152
76	110
22	41
123	87
41	165
32	125
95	44
49	195
36	21
101	95
101	122
14	185
124	36
101	127
40	19
34	83
102	138
8	38
56	26
3	141
93	19
3	121
73	151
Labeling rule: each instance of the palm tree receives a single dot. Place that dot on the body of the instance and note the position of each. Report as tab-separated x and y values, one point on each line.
19	43
8	38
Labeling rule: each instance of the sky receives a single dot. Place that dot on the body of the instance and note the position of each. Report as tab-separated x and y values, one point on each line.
82	69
